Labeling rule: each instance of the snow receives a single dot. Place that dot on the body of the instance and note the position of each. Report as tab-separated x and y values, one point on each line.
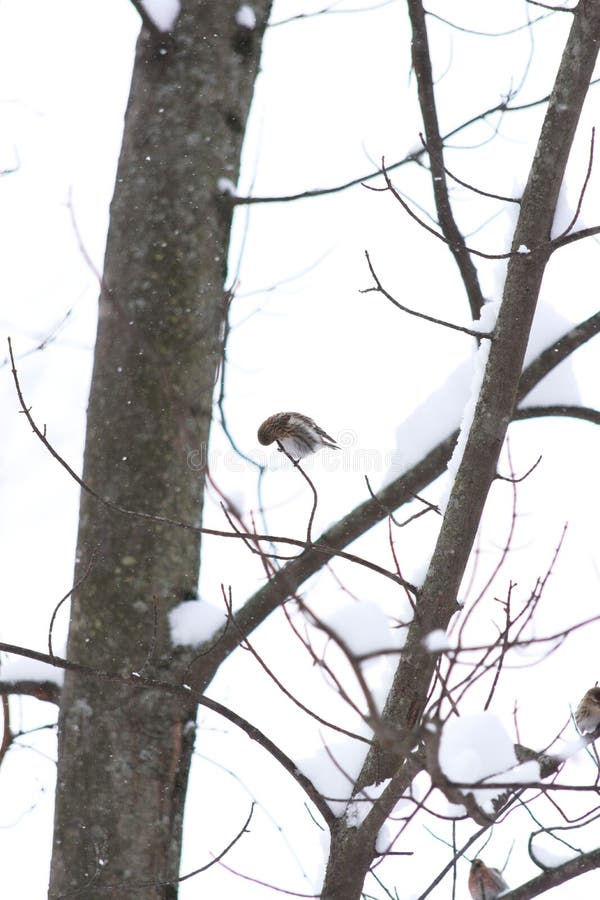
163	12
442	412
547	858
523	249
479	364
563	213
431	422
487	319
22	669
246	17
477	747
560	386
437	640
333	771
364	628
359	809
194	621
571	748
226	186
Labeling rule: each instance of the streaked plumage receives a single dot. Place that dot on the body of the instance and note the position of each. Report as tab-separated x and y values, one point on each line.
587	714
298	435
485	883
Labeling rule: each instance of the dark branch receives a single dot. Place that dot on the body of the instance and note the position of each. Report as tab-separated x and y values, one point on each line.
413	312
421	60
137	681
553	877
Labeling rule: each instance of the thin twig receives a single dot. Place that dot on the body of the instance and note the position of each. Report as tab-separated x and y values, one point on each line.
296	464
413	312
583	189
66	597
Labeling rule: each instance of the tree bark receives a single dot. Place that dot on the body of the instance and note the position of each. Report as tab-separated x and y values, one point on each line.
123	757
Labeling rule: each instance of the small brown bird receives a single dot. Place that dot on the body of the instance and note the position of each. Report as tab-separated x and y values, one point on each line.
485	883
298	435
587	714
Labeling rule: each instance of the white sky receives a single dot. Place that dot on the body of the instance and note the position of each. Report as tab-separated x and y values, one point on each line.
306	339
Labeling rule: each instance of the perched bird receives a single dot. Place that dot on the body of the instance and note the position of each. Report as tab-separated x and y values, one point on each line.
298	435
485	883
587	714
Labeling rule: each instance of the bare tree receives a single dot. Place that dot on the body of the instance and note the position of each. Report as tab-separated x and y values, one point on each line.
130	698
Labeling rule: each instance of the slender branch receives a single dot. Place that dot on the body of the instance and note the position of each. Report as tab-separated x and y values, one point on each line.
491	34
549	358
246	645
135	680
48	691
576	236
502	107
471	187
512	479
586	180
330	11
66	597
7	735
555	876
154	883
454	248
564	9
585	413
413	312
311	518
421	59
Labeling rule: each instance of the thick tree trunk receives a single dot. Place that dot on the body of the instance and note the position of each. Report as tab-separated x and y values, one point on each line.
123	756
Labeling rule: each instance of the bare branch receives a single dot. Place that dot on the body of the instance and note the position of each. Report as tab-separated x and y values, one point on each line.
585	413
136	681
381	290
491	34
583	189
553	877
556	353
48	691
502	107
435	147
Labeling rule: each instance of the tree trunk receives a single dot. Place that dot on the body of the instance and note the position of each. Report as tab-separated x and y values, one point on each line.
407	699
123	756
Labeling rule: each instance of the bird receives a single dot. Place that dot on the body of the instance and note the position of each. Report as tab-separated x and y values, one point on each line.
485	883
587	714
297	434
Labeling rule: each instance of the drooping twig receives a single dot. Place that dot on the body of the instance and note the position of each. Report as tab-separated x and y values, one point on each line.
471	187
245	644
413	312
514	479
296	464
490	34
77	584
586	180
